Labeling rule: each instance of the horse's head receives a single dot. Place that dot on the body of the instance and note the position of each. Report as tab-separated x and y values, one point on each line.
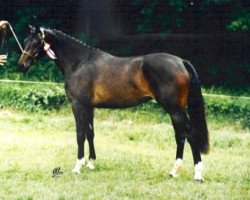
33	49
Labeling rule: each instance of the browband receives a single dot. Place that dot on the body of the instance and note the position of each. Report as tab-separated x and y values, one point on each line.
42	31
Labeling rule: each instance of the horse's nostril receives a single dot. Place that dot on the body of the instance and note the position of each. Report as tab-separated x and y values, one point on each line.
20	66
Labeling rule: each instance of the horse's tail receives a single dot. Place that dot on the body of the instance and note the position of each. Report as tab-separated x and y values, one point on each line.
196	109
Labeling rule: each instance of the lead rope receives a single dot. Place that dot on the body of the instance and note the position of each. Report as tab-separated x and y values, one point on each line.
16	38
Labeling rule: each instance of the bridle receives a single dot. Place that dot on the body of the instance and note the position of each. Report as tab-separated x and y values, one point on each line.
45	45
34	57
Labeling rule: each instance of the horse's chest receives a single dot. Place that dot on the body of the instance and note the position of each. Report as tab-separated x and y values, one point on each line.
78	90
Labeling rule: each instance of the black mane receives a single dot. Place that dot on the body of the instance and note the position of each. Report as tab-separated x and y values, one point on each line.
72	46
71	40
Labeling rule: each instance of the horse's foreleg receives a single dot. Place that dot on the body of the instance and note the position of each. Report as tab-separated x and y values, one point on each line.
83	116
90	138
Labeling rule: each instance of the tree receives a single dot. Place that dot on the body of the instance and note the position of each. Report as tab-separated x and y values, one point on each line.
178	16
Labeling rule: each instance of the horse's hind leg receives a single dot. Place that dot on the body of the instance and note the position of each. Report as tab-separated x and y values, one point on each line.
198	167
184	130
190	133
178	122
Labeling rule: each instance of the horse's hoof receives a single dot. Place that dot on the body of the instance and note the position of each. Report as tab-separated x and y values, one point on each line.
177	166
90	165
76	171
199	180
173	175
78	166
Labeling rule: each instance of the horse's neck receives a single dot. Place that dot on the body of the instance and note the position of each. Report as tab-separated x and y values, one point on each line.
69	55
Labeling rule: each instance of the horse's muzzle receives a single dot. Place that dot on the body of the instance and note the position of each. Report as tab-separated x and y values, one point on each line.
22	68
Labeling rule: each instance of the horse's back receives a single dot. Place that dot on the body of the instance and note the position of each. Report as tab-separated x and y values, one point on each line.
164	61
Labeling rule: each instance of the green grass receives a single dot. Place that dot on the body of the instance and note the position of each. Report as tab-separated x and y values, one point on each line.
243	91
135	152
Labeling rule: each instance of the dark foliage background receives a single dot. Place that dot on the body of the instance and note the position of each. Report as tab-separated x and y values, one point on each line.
212	34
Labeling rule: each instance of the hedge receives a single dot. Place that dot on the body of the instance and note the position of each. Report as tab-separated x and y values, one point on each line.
46	98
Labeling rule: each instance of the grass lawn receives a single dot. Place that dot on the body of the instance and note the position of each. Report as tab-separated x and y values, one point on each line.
135	152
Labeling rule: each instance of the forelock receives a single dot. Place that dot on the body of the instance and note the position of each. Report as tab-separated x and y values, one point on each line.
33	30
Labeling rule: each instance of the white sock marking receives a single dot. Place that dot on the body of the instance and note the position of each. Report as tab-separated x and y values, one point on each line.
91	164
198	171
176	168
78	166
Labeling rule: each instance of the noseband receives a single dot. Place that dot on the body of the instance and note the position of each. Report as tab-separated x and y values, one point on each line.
34	57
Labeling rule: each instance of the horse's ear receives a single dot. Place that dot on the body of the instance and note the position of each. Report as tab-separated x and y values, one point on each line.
34	29
37	28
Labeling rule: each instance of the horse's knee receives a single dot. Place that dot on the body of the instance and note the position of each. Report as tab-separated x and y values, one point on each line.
90	136
81	138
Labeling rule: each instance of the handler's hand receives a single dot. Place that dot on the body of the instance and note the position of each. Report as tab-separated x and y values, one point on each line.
3	24
3	59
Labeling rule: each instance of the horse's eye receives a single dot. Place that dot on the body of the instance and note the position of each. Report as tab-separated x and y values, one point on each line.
35	42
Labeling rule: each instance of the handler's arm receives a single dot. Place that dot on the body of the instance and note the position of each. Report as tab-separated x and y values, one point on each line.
3	25
3	59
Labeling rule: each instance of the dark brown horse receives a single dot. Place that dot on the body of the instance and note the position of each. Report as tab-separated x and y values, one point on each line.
94	78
